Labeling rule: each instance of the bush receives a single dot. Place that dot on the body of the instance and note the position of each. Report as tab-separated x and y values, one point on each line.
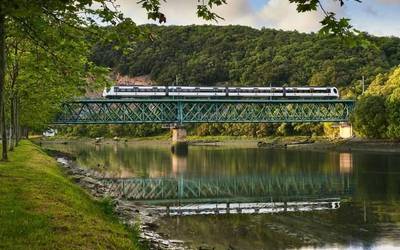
370	117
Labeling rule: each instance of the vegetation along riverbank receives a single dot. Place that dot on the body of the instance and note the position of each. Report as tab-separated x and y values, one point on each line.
40	208
288	142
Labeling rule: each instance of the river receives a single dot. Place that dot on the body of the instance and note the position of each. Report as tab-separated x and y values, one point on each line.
365	186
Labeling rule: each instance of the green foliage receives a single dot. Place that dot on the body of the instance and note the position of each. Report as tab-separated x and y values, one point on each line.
370	116
377	113
213	129
330	130
140	130
393	110
237	55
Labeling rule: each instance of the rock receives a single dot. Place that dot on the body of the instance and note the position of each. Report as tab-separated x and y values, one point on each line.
205	247
77	177
177	241
152	226
90	180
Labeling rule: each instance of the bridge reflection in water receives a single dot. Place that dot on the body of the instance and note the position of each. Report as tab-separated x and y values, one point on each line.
255	194
277	187
251	207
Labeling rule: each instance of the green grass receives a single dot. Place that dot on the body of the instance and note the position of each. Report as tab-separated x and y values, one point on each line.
42	209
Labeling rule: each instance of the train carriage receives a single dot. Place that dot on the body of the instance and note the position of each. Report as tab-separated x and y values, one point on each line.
221	92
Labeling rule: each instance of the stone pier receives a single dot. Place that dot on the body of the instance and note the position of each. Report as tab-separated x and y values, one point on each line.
345	130
179	135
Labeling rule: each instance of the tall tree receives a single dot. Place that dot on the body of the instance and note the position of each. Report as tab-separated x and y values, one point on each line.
2	83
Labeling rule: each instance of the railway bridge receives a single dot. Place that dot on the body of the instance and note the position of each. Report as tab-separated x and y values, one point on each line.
178	112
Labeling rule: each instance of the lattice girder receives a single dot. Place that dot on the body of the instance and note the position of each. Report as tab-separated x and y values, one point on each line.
181	111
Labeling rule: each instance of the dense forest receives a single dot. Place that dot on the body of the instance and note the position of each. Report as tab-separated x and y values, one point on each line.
238	55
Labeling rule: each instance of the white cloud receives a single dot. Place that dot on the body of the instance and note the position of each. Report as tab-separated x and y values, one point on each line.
275	14
183	12
389	1
278	14
283	15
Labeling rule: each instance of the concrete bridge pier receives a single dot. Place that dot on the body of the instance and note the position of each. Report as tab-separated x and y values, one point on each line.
345	130
179	135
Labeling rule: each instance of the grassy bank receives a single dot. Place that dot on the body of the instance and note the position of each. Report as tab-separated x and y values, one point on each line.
41	209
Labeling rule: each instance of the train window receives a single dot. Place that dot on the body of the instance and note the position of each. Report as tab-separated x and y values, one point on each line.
335	91
289	90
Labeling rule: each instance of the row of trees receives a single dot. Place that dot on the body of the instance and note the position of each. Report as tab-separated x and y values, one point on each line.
44	59
224	129
44	55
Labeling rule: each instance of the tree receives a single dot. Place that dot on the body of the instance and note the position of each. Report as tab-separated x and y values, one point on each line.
370	116
393	108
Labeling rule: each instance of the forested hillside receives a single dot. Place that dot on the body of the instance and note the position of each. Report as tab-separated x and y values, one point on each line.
237	55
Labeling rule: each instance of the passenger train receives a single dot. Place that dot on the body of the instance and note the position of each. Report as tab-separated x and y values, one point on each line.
212	92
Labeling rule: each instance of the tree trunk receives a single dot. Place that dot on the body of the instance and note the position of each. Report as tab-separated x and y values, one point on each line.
15	120
17	126
2	83
12	123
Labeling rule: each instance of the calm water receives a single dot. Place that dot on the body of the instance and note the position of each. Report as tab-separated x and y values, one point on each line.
367	185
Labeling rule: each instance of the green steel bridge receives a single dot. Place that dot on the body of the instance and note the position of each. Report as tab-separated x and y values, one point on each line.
184	111
231	188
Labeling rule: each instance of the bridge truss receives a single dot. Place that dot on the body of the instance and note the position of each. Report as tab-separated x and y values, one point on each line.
230	187
181	111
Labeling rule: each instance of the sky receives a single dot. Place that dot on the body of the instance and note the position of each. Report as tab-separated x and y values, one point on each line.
377	17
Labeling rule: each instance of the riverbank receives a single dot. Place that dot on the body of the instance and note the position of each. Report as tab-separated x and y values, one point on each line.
289	142
40	208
